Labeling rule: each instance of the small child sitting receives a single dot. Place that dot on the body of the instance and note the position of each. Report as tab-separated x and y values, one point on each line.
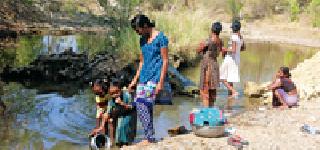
115	108
99	88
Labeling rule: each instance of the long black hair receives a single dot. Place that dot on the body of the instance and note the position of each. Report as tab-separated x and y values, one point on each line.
102	84
216	28
140	20
236	26
286	71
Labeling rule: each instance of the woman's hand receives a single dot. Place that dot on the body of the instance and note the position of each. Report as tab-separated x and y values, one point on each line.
136	77
223	49
159	87
96	131
131	85
202	45
128	106
118	100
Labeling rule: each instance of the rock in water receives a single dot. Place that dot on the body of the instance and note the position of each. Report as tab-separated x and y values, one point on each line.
255	90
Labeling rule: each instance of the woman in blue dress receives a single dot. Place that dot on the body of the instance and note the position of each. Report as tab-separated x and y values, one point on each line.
152	72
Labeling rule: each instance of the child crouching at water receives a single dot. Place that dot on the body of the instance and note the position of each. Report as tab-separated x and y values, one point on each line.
284	89
118	107
100	88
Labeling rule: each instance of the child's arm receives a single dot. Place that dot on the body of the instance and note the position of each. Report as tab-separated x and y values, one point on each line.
120	102
105	118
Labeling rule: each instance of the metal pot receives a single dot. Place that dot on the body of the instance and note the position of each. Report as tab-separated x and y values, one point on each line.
208	131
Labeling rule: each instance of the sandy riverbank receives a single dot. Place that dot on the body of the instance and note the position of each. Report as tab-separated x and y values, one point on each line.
278	33
264	129
268	128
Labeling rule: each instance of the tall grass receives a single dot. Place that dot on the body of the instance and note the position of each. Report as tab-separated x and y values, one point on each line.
294	10
314	9
234	7
27	2
128	47
185	29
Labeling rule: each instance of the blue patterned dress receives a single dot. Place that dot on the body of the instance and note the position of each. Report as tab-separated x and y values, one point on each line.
149	77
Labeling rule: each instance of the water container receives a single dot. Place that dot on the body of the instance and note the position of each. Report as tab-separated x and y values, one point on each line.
207	117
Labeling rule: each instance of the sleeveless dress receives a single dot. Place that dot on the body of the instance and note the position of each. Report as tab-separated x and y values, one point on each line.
209	73
229	69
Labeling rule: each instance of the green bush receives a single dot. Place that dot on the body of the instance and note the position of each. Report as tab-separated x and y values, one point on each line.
314	9
234	7
128	44
294	10
69	7
28	49
27	2
184	33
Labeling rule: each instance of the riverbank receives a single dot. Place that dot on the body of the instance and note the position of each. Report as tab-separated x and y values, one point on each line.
266	127
276	30
292	33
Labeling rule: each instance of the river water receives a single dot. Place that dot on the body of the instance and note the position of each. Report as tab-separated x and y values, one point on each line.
46	115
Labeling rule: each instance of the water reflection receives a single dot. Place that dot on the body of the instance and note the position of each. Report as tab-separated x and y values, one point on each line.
45	118
58	44
27	48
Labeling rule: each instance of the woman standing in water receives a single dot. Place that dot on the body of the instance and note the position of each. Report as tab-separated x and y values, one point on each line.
209	75
229	72
151	74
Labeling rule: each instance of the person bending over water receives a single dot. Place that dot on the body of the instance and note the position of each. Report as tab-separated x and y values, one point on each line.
209	74
100	88
284	89
117	107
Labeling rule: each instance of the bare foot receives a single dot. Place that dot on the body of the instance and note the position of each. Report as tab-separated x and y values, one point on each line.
143	143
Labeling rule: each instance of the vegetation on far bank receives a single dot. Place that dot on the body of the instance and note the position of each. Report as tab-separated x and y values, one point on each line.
187	22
